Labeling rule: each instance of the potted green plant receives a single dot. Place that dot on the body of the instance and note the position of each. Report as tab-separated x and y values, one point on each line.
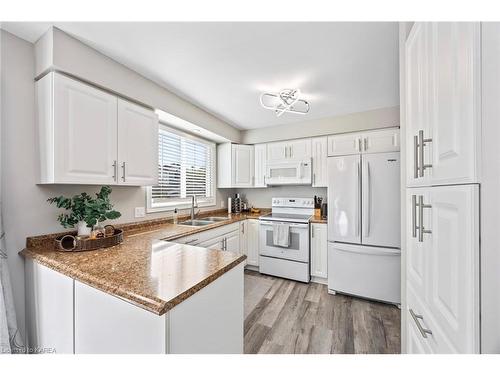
85	210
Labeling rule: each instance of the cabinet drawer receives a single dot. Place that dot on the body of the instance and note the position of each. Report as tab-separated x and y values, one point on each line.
197	238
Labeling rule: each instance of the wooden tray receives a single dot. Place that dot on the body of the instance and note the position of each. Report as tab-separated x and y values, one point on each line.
71	242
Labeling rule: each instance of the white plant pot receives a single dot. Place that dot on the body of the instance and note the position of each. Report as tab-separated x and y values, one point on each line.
83	229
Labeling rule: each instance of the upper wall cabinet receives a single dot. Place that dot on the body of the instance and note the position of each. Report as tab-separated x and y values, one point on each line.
443	103
299	149
235	165
319	162
87	136
260	151
386	140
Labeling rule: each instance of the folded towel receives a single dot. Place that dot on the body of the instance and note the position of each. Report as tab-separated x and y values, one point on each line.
281	234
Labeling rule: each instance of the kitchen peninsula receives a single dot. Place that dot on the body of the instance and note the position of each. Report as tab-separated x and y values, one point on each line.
145	295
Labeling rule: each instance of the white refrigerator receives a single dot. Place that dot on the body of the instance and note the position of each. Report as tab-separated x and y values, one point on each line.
364	226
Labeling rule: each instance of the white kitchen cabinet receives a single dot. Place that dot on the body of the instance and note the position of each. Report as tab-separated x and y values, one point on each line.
235	165
319	161
260	151
443	103
299	149
233	242
244	237
386	140
137	144
253	242
88	136
319	251
77	132
344	144
443	265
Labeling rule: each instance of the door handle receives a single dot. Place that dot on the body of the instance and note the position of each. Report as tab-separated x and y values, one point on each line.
369	199
123	167
415	156
422	142
414	215
421	228
359	144
365	143
115	170
358	198
423	331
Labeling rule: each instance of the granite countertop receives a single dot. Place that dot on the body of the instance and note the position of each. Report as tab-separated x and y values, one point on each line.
144	269
318	220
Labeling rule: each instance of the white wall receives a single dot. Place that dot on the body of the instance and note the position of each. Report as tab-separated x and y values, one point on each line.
261	197
375	119
58	50
25	209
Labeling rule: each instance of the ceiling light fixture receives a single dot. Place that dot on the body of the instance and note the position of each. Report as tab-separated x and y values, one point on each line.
287	100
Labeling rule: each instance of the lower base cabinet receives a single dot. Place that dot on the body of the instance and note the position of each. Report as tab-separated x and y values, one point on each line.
319	252
252	242
67	316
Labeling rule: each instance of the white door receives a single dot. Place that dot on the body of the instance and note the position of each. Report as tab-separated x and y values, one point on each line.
381	199
417	99
319	161
253	243
242	165
416	257
381	141
260	151
344	144
85	131
299	149
233	242
453	264
455	107
319	250
344	199
137	144
277	151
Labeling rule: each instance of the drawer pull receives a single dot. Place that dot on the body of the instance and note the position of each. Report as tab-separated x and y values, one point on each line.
423	331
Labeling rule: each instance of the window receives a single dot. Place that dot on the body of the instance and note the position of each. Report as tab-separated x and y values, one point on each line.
186	167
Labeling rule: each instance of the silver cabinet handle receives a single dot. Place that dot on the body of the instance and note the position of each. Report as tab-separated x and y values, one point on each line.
414	216
421	228
365	143
286	152
359	144
123	167
423	331
415	156
243	228
422	142
225	244
191	241
291	151
314	178
312	231
115	169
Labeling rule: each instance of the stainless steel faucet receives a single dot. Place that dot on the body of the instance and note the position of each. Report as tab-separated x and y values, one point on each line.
194	204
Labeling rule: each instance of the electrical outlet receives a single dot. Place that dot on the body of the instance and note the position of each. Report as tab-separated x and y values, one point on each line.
140	212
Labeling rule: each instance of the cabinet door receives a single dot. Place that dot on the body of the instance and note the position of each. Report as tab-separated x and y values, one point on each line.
277	151
345	144
253	243
417	98
85	131
137	144
260	151
319	250
455	102
242	165
299	149
233	242
381	141
319	161
453	265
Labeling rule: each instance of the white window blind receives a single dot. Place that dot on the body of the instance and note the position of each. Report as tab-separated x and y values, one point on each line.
186	167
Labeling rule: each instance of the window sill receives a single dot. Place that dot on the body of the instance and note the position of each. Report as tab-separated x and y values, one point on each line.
179	206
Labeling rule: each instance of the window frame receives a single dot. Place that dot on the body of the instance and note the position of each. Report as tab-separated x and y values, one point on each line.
185	203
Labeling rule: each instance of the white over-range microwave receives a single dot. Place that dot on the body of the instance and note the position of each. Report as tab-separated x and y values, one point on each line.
289	172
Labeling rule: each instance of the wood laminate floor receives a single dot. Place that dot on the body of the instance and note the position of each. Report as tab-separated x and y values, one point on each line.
284	317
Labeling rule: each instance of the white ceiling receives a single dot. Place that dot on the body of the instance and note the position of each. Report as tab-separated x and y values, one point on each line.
340	67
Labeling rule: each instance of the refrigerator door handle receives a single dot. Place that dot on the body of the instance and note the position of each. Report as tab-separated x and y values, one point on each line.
414	216
369	200
358	196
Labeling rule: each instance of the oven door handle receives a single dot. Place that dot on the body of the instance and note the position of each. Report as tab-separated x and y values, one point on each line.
293	225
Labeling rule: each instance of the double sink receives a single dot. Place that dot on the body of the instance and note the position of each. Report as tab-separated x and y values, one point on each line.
204	221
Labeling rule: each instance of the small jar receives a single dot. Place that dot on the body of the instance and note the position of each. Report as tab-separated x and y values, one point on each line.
98	231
